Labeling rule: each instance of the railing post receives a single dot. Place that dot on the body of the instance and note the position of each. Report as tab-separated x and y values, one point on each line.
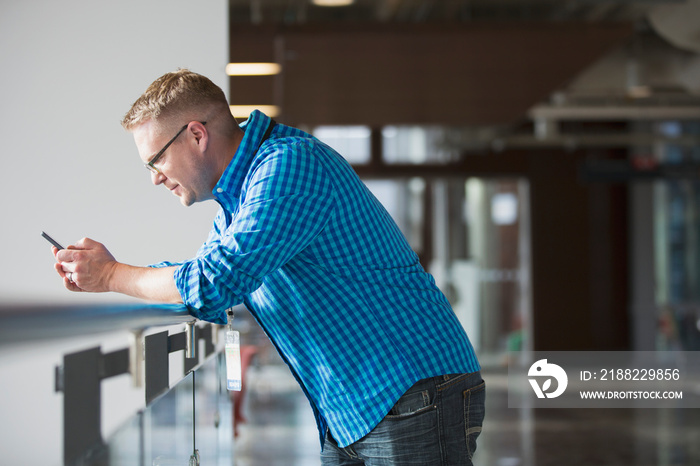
190	341
80	376
157	365
136	356
81	406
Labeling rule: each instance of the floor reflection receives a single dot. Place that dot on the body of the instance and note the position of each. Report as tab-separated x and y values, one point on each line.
280	430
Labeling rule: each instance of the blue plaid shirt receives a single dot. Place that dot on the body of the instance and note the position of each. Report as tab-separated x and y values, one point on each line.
323	268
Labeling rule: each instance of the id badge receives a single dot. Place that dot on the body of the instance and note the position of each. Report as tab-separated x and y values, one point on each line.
233	360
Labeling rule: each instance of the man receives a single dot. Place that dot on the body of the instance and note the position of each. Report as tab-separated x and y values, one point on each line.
389	372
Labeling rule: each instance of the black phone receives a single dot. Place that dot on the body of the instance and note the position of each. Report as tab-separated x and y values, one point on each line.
51	240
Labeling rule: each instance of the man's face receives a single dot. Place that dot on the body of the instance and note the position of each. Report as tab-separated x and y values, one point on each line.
177	167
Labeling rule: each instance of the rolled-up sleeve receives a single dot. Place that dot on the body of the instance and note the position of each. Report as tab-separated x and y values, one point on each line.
286	201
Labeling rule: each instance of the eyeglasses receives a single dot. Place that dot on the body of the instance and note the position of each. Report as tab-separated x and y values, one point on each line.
150	165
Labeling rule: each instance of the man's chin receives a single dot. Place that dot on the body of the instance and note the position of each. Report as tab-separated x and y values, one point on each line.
186	201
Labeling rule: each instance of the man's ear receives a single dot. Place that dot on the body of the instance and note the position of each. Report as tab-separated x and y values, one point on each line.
200	133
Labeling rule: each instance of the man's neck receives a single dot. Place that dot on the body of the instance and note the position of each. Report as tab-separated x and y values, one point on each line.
228	151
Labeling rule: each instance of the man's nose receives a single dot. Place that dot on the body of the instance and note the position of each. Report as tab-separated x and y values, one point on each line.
157	178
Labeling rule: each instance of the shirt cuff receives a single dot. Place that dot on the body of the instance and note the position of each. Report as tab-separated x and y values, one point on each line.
199	304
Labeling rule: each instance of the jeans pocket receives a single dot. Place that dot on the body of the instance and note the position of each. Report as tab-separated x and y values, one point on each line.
474	411
411	403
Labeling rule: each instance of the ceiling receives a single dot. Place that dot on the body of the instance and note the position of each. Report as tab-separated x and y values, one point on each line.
662	59
301	11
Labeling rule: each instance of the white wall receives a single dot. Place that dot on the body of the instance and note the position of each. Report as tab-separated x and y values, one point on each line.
70	70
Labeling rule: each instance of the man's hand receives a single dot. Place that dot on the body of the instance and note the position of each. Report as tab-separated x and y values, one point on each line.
89	266
85	266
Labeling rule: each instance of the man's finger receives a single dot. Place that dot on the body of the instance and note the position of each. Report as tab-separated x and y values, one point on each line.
59	268
68	267
67	278
85	243
68	255
70	285
62	270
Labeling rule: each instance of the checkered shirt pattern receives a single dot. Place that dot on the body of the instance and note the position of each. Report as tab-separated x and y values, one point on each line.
328	275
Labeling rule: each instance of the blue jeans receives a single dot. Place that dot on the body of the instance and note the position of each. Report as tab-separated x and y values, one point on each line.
436	422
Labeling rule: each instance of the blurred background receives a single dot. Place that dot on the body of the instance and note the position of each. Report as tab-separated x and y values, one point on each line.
541	156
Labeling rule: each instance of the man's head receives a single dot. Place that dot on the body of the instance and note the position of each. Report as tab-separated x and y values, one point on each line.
179	95
188	115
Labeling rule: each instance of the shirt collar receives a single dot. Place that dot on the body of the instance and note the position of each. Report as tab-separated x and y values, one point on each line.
228	188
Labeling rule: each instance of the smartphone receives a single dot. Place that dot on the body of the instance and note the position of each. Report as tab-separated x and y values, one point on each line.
51	240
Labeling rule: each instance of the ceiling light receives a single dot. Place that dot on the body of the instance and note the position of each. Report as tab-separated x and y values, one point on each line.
639	92
332	2
243	111
253	69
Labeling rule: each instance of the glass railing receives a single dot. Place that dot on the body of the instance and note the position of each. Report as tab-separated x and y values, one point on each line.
186	419
194	416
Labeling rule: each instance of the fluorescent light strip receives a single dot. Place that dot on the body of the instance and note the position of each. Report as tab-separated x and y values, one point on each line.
243	111
253	69
333	2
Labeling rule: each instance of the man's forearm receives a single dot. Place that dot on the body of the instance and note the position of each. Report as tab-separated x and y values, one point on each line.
151	284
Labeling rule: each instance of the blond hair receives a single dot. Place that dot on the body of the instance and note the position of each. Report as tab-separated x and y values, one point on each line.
179	94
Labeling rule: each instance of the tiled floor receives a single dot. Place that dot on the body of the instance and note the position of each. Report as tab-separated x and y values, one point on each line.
281	430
